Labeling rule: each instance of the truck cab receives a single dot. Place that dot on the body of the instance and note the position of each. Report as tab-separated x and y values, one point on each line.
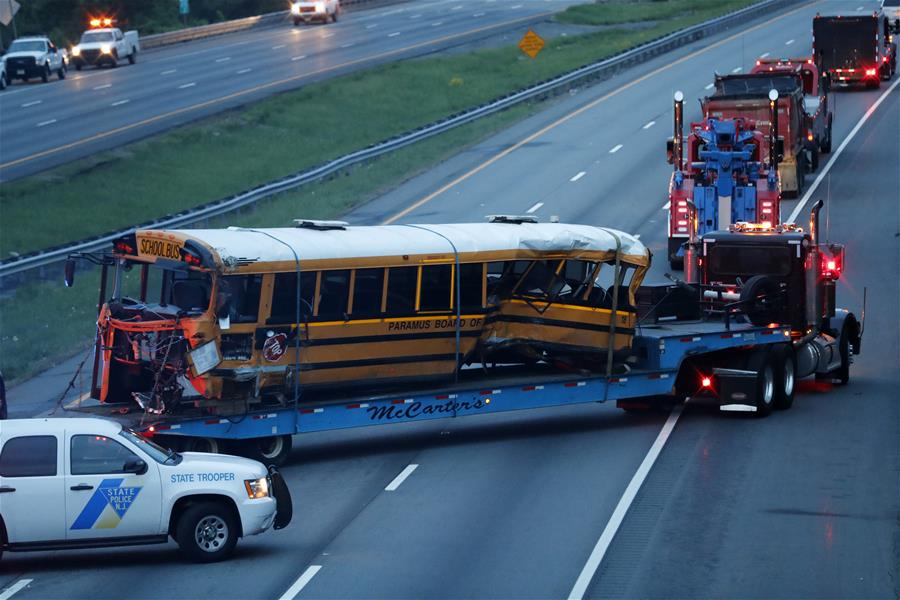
87	483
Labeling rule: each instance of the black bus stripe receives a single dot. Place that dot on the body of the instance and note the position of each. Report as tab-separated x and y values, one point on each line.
557	323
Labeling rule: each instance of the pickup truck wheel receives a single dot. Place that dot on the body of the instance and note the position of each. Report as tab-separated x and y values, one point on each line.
785	364
61	74
45	75
762	363
78	66
272	450
132	58
206	532
826	143
3	82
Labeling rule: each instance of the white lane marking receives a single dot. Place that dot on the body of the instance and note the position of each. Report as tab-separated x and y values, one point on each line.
301	582
328	35
392	486
187	85
737	69
44	123
637	236
837	153
14	588
578	176
347	45
416	16
649	125
169	72
764	55
606	538
666	206
120	102
515	7
242	71
223	59
534	208
395	34
616	148
301	57
789	42
372	26
437	23
32	103
457	7
476	15
103	87
278	47
859	8
710	86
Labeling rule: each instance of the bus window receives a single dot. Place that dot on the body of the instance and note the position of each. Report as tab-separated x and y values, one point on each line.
242	294
367	288
541	280
577	275
602	293
502	278
188	290
284	297
333	294
471	284
435	289
401	290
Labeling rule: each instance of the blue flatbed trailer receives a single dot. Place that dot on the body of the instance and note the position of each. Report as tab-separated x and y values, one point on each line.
660	351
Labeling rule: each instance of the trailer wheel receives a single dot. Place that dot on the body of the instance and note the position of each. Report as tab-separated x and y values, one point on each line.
208	445
785	363
762	363
814	158
78	66
272	450
842	373
826	143
207	532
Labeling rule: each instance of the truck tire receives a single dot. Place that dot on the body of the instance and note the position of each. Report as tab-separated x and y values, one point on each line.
761	362
132	58
78	66
785	364
801	175
114	59
272	450
207	532
842	373
825	147
45	74
814	158
198	444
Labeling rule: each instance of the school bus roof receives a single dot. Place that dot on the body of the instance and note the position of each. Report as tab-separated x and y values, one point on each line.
278	245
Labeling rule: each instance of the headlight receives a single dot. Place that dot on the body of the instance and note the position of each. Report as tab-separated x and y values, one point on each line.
76	51
105	48
320	7
257	488
295	9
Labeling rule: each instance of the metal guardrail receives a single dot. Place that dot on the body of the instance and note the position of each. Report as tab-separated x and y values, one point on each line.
205	31
557	84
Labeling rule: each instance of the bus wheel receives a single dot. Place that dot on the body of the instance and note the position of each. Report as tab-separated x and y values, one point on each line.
272	450
785	364
762	363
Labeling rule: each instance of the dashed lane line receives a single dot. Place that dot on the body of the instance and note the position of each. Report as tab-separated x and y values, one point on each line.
298	585
15	588
392	486
534	208
577	176
615	148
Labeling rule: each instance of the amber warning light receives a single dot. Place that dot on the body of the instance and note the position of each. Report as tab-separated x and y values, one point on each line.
101	22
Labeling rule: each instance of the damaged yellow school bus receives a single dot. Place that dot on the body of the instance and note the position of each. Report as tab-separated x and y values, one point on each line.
250	314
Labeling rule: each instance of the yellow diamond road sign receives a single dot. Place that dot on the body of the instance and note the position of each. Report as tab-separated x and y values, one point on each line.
531	43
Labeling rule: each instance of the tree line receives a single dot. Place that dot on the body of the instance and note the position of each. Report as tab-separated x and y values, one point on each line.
64	20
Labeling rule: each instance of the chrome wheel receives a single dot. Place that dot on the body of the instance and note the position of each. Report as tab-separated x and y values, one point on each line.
211	533
768	386
788	382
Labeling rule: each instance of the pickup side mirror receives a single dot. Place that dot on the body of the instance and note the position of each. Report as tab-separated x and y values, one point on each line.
70	272
135	465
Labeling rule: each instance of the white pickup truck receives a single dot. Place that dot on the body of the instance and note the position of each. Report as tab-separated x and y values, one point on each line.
318	10
34	56
105	46
89	483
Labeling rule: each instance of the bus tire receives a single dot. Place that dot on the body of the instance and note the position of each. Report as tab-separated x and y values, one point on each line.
761	362
207	532
825	147
785	364
273	450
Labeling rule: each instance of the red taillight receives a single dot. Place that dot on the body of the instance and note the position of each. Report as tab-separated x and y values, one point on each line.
706	382
870	72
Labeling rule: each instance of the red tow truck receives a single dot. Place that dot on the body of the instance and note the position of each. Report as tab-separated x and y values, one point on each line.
816	103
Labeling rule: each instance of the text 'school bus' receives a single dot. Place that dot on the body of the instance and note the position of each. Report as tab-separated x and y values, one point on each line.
249	315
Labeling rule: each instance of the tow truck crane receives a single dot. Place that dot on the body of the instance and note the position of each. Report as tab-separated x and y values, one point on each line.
723	176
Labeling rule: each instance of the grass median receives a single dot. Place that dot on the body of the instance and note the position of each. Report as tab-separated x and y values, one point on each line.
223	155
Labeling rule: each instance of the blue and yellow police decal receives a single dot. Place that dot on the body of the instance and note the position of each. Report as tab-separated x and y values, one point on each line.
107	506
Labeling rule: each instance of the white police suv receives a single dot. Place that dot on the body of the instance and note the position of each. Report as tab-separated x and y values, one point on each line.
87	483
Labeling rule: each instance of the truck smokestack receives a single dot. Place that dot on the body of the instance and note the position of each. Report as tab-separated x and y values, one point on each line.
773	129
679	135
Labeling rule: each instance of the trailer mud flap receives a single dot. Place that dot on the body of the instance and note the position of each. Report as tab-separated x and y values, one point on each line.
737	389
284	511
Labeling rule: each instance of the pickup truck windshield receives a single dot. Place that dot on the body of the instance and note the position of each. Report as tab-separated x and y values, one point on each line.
28	46
156	452
93	37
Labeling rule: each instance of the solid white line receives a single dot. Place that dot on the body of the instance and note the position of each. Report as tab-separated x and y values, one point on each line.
710	86
301	57
278	47
32	103
372	26
392	486
416	16
616	149
328	35
347	45
103	87
764	55
515	7
242	71
169	72
837	153
577	176
301	582
609	532
395	34
436	23
457	7
16	587
736	69
789	42
186	85
649	125
50	122
223	59
119	102
535	207
666	206
476	15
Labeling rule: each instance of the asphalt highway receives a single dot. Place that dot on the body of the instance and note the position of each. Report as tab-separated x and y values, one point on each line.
801	504
43	125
